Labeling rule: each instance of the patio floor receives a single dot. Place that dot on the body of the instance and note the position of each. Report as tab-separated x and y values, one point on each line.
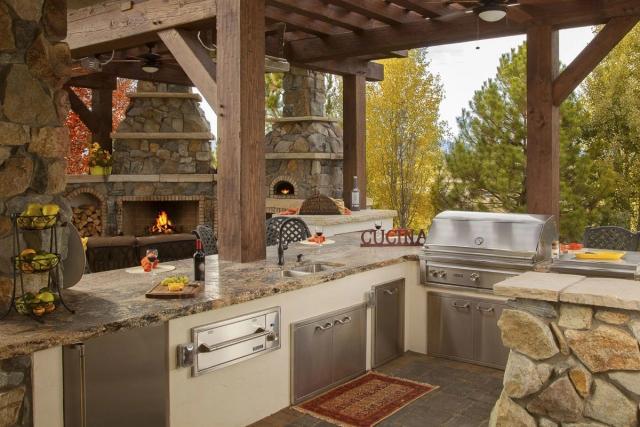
465	397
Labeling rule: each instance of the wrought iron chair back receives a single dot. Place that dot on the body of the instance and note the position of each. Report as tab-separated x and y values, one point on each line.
294	230
209	241
610	237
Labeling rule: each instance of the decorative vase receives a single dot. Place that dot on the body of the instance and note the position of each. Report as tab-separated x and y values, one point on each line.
100	170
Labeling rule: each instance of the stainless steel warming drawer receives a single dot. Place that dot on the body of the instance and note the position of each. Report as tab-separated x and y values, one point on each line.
231	341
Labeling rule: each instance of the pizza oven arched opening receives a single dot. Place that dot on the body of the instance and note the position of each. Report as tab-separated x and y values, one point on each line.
284	189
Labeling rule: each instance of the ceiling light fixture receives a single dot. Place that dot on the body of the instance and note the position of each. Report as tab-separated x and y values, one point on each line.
151	67
492	12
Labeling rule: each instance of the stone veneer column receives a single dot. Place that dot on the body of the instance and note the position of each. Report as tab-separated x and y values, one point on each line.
34	65
304	93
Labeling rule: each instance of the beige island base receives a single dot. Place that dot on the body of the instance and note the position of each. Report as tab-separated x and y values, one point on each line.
574	357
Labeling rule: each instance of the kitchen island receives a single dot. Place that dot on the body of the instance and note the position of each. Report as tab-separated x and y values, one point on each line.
113	302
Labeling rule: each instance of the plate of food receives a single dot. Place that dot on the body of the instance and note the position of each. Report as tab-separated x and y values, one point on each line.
174	287
317	241
160	268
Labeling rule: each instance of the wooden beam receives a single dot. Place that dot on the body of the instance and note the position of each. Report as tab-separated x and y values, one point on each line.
591	56
427	10
93	81
195	62
241	172
102	109
104	27
374	72
131	70
79	107
317	9
543	123
354	136
303	23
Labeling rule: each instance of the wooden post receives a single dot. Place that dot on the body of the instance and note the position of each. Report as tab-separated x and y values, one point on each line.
101	107
355	143
543	123
241	113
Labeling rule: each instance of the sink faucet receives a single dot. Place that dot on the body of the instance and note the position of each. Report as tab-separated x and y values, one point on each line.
282	246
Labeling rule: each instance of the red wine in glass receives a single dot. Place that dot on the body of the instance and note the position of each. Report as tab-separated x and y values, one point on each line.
319	231
378	225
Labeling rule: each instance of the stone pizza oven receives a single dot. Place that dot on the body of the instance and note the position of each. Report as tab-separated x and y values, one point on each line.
304	148
162	163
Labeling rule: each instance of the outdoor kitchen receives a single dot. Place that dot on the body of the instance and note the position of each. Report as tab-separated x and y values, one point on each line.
262	288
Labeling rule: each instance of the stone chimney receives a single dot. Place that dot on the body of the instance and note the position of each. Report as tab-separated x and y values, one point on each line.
304	93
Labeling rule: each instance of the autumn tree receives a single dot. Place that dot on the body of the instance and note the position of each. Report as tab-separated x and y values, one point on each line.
403	134
486	165
80	135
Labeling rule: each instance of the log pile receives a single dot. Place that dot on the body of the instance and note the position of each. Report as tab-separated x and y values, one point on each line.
88	220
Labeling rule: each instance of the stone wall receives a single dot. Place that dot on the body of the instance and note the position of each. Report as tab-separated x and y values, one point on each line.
570	365
304	93
34	65
162	108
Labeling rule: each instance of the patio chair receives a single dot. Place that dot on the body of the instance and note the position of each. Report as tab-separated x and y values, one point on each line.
294	230
610	237
208	237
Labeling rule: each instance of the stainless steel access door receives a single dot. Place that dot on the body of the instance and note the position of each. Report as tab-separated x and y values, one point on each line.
119	379
388	322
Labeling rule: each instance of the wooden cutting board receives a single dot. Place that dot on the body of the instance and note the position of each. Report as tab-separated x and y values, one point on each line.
160	291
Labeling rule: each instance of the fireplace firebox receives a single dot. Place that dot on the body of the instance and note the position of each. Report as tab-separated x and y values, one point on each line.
139	216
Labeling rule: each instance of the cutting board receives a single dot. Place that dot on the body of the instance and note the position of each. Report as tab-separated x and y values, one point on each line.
160	291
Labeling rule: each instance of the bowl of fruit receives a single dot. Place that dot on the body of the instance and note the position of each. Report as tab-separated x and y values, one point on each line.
38	217
36	261
37	304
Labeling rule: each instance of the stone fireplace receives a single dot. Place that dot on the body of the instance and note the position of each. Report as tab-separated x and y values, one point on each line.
304	148
162	164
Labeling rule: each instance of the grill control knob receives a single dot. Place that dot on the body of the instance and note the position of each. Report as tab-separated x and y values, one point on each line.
442	274
474	277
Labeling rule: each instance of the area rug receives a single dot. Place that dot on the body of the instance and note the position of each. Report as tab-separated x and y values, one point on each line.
365	401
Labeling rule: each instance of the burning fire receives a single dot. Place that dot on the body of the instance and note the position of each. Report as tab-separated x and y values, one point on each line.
284	191
163	224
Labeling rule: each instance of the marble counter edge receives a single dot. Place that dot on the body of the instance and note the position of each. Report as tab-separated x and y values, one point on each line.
65	337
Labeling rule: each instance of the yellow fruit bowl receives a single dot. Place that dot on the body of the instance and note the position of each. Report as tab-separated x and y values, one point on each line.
36	222
601	255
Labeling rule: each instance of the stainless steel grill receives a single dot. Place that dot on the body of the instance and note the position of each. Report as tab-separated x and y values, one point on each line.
479	249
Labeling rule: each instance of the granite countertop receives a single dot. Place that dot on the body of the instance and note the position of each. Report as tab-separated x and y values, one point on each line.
554	287
114	300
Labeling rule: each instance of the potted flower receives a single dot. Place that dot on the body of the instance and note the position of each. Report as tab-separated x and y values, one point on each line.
100	160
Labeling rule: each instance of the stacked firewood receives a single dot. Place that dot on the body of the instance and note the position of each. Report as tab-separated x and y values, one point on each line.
87	220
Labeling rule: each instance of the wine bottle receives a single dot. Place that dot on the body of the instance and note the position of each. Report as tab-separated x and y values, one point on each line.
355	195
198	262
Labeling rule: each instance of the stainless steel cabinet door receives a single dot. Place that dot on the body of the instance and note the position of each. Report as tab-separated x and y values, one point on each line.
449	327
388	340
312	357
489	349
349	344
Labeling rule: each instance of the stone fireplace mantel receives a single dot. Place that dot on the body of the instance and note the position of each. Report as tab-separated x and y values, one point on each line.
83	179
574	351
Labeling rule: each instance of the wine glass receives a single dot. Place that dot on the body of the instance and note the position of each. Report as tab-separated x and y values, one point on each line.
152	256
378	225
319	230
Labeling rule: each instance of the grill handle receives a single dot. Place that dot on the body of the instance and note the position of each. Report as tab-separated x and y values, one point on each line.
465	306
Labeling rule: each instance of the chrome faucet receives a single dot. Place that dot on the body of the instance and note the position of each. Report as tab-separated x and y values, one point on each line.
282	246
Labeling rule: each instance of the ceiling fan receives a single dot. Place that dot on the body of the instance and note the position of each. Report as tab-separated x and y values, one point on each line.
487	10
150	61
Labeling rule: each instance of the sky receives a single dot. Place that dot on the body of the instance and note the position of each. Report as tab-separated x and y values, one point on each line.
463	68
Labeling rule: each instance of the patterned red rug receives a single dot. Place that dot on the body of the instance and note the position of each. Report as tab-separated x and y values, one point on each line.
365	401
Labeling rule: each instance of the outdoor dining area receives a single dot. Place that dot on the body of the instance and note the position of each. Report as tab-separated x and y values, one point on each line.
256	284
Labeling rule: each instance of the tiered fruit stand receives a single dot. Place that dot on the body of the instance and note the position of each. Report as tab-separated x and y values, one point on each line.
27	262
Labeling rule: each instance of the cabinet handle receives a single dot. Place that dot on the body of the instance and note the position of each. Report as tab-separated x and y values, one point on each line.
347	319
391	291
454	305
326	326
484	310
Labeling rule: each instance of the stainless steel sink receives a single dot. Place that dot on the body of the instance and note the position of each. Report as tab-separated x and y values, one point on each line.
312	268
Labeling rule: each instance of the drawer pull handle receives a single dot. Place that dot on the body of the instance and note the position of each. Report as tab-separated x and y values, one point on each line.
260	332
454	305
347	319
391	291
326	326
485	310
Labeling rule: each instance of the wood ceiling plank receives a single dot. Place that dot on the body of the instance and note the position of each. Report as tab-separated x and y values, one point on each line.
302	23
428	10
591	56
319	10
378	10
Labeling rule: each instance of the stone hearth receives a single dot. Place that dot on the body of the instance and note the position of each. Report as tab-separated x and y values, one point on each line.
162	161
304	148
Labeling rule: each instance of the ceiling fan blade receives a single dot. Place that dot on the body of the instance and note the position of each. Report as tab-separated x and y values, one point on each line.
126	60
452	16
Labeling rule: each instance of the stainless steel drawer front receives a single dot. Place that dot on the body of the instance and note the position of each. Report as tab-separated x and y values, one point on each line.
230	341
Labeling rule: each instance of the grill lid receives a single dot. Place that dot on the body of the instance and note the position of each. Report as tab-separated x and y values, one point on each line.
500	236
